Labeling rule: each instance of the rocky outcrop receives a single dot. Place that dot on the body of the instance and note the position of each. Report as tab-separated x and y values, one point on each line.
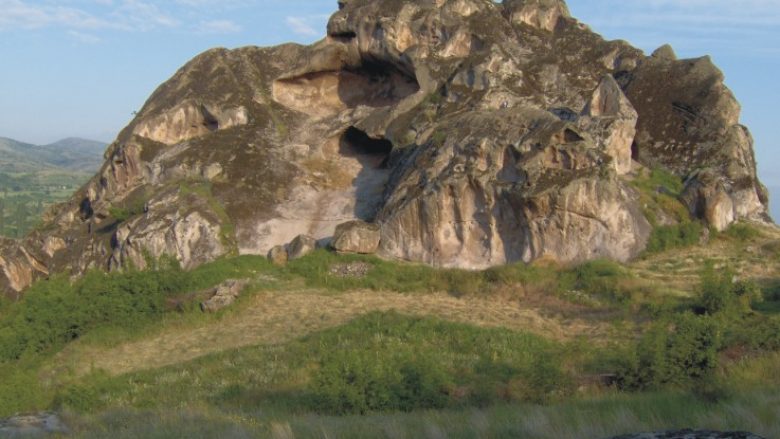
691	127
356	237
467	133
223	295
174	225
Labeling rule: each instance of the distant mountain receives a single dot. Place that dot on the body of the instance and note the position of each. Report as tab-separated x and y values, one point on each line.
774	203
72	154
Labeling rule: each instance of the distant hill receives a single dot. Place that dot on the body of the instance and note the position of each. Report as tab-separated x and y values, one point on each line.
72	154
774	203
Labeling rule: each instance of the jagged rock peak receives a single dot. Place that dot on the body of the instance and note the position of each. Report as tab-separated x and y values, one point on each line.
460	133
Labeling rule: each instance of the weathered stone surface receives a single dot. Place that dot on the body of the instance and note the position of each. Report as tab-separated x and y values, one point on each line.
278	255
690	434
691	127
470	133
191	235
611	120
541	14
356	237
223	295
301	246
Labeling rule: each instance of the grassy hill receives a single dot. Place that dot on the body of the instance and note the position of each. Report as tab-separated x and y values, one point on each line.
684	337
32	178
73	154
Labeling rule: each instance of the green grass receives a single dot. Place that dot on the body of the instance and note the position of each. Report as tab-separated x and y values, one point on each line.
659	193
601	417
741	232
472	366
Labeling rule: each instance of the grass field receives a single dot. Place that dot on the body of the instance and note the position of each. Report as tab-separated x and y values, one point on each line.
25	197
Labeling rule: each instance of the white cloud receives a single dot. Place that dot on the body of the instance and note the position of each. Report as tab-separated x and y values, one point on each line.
126	15
16	14
84	37
219	27
301	26
143	15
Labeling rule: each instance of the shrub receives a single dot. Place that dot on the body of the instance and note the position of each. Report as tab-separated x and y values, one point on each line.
362	382
56	311
665	238
742	232
21	390
600	278
720	292
673	353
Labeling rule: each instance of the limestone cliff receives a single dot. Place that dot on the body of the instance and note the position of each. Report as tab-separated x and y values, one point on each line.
470	133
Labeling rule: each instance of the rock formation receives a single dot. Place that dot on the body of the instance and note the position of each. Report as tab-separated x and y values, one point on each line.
470	133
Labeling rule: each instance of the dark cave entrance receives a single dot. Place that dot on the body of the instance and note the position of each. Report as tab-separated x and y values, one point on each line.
373	153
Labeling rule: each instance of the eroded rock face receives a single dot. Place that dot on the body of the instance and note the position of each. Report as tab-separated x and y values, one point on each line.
356	237
467	133
691	127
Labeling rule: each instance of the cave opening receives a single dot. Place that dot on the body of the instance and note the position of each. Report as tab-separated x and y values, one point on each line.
372	83
357	143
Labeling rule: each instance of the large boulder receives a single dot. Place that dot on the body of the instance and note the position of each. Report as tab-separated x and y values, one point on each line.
301	246
356	237
278	255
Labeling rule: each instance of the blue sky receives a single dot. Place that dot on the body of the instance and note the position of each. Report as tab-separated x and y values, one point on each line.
80	67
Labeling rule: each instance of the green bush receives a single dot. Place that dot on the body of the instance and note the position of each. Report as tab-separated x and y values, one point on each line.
673	353
721	292
362	382
665	238
600	278
756	332
21	391
742	232
390	362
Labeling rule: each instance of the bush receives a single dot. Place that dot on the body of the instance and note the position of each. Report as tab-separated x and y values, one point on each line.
390	362
720	292
742	232
362	382
56	311
758	333
665	238
673	354
600	278
20	390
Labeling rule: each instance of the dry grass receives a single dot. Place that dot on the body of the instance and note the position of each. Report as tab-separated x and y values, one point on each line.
273	318
678	270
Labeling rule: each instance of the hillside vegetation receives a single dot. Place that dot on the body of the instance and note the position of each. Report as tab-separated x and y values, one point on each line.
540	350
33	178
